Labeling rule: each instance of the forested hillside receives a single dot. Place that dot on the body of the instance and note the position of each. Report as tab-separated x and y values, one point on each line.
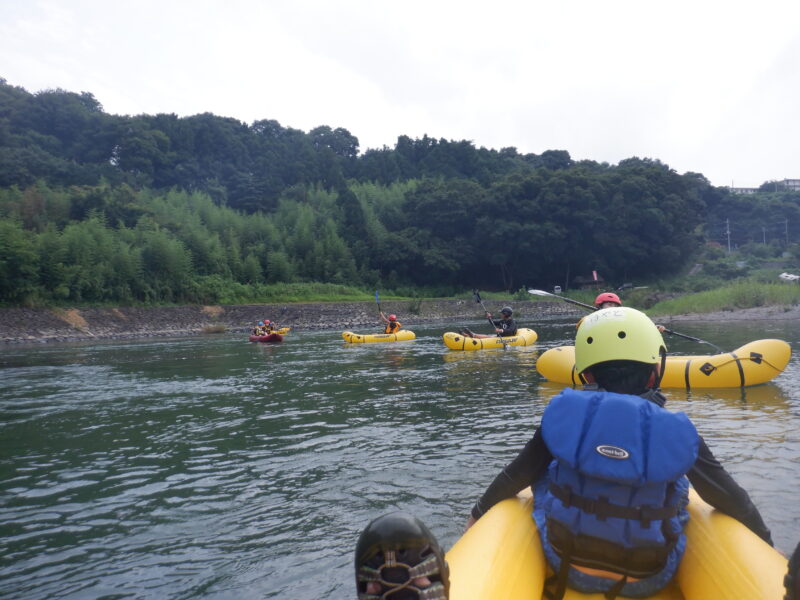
105	208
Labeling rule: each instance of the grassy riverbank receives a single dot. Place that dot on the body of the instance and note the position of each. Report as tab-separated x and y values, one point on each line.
736	296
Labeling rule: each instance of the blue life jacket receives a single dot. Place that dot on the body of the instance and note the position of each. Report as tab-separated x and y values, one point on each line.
615	494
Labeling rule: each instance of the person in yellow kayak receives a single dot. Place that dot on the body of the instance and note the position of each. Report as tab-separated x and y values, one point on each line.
604	300
398	557
505	326
610	300
610	468
392	324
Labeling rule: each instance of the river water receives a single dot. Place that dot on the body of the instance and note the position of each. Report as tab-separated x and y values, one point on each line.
209	467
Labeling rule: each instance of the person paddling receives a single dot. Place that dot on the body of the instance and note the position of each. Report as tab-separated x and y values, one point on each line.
504	327
392	324
610	300
606	523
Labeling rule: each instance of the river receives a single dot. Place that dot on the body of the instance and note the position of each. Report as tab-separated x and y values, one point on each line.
209	467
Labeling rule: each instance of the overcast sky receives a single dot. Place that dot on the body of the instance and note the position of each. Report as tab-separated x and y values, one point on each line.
709	87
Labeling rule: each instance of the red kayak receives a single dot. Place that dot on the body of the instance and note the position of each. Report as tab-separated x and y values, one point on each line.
272	338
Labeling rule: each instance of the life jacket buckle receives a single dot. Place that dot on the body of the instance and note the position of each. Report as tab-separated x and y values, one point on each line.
646	515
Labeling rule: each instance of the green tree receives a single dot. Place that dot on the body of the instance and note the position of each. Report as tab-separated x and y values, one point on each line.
18	272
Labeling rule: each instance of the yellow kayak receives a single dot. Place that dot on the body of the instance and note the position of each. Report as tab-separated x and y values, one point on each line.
500	557
753	363
456	341
361	338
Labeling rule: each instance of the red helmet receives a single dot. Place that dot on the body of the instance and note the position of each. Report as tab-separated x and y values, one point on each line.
393	317
607	297
267	321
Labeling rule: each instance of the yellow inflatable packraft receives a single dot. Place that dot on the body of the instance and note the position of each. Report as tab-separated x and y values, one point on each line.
361	338
753	363
456	341
500	558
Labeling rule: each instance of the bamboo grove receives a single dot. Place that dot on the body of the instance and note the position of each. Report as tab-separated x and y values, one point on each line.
100	208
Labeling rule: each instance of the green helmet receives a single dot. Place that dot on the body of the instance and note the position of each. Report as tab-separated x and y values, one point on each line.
618	333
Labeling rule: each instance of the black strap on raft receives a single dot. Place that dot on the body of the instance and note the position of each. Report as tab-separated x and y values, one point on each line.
559	579
555	586
598	553
791	581
615	589
604	509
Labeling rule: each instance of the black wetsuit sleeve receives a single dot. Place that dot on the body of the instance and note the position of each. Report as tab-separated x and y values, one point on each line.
718	488
529	465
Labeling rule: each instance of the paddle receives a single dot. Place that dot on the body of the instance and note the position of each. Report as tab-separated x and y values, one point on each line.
590	307
378	301
693	339
477	297
570	300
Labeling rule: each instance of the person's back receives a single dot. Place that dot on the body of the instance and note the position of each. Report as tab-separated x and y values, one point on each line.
610	467
612	509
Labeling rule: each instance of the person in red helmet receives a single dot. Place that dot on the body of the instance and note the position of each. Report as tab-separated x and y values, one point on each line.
607	300
611	300
604	300
392	324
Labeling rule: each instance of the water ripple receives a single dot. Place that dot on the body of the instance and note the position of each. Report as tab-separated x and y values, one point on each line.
210	467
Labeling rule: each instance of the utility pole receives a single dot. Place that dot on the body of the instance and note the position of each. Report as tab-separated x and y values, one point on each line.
728	233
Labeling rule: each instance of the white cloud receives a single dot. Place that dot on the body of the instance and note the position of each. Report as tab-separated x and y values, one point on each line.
706	87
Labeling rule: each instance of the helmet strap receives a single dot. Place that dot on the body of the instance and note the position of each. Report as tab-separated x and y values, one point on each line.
657	376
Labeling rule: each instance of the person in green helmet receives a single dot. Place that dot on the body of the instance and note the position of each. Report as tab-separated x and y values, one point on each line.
606	523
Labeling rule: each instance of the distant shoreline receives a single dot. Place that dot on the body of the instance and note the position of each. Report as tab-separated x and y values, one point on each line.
40	325
759	313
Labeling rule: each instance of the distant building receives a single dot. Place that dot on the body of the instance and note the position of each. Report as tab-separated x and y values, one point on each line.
589	283
791	184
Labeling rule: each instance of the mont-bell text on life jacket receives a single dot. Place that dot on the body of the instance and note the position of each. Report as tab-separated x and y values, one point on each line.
612	452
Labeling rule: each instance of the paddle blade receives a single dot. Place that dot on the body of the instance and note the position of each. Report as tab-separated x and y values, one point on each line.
377	298
477	296
540	293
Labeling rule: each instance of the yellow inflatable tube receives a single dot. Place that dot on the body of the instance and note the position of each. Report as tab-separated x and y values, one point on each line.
456	341
362	338
753	363
500	558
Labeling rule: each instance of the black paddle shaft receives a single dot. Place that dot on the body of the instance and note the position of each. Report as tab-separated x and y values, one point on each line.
479	301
